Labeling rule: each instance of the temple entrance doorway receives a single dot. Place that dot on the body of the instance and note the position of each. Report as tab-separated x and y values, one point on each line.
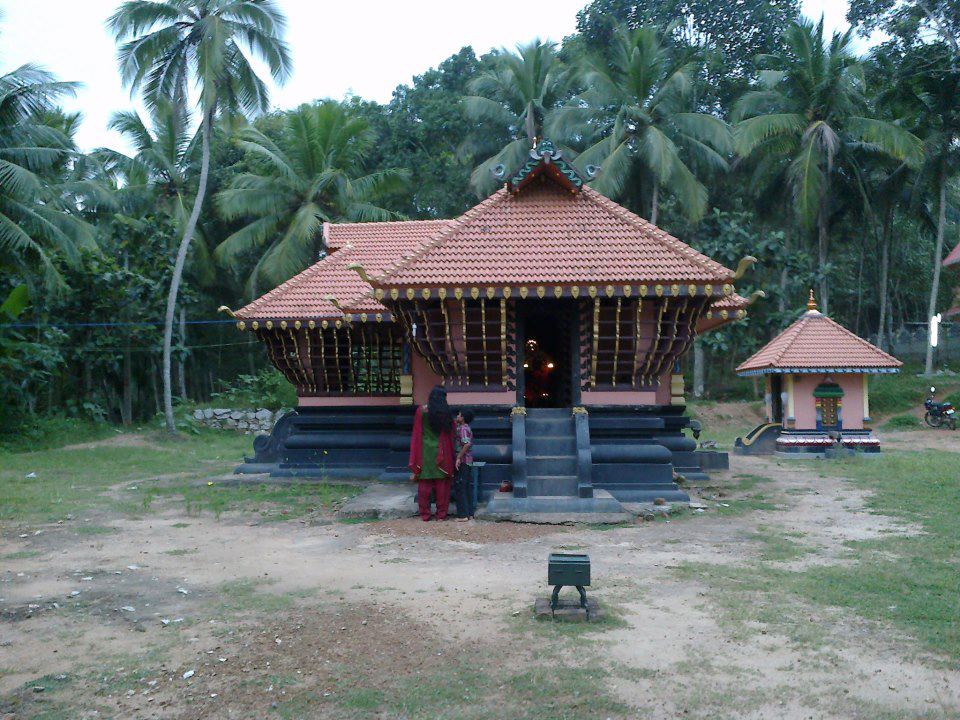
549	357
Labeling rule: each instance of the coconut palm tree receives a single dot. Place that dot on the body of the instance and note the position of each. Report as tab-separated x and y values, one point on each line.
170	46
636	113
514	96
37	217
311	172
929	88
806	121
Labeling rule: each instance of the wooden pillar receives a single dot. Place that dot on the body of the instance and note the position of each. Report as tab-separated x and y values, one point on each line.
866	399
791	420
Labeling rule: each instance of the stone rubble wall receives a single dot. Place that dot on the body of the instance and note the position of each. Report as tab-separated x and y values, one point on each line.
249	422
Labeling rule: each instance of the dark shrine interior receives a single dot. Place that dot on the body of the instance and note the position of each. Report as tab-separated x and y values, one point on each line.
547	369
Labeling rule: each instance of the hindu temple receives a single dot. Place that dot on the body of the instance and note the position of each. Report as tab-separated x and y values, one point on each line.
558	316
817	389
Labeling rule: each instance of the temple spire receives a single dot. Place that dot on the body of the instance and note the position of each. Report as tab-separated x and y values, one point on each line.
811	302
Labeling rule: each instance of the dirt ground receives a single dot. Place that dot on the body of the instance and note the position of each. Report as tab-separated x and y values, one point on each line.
190	616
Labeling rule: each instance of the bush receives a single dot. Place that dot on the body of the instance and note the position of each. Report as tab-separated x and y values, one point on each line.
49	432
902	422
267	389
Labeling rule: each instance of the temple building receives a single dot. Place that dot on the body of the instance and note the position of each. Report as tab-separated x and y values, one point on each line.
817	388
557	315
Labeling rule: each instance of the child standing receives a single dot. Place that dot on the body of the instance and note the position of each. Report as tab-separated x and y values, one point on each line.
463	481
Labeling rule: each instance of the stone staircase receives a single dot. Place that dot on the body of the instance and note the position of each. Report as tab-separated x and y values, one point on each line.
551	453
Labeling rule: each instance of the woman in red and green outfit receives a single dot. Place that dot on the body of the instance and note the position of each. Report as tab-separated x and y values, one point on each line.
432	457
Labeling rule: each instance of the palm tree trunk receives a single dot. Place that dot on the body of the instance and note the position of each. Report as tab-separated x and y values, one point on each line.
182	361
884	278
822	240
655	202
126	407
937	264
206	130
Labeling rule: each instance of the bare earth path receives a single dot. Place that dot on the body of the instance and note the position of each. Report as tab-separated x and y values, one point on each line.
398	619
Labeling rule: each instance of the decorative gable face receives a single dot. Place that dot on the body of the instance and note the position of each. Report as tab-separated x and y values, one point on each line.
545	159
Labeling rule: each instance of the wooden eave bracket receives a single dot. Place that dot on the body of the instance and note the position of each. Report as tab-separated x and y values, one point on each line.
745	264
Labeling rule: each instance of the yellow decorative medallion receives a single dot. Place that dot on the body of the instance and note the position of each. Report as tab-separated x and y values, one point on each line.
458	293
269	324
575	292
728	289
241	325
658	290
297	325
312	325
255	325
490	293
283	324
627	290
557	291
541	291
474	293
691	289
643	291
409	293
708	289
609	290
394	294
592	291
674	289
524	291
425	293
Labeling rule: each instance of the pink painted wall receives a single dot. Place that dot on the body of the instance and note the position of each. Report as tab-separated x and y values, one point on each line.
348	401
621	397
805	406
506	397
424	378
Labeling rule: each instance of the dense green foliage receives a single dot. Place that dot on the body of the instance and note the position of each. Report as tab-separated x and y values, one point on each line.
741	132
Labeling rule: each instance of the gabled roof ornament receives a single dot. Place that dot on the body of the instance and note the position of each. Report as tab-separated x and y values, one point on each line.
546	158
811	302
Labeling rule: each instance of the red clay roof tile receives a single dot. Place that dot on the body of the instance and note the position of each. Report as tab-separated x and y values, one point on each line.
815	342
374	245
547	235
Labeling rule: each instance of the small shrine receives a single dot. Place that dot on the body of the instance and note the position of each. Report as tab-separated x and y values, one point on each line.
817	391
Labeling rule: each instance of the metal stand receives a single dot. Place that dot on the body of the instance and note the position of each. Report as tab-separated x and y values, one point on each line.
555	598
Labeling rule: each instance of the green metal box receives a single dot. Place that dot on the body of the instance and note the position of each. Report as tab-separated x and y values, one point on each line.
568	569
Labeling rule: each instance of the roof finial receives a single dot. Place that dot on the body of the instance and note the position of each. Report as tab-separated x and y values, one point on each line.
811	302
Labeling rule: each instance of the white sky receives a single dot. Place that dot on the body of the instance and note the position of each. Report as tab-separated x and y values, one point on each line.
364	47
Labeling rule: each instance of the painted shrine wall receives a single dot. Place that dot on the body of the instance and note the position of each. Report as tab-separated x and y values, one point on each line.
805	406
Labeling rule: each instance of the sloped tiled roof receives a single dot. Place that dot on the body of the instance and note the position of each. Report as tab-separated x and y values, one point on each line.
548	235
374	245
816	343
398	232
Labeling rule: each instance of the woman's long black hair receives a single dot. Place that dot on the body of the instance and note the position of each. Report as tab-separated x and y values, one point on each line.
438	411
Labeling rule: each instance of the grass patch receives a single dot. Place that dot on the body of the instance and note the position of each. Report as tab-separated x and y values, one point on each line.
271	501
90	530
76	482
909	581
238	596
902	422
23	555
181	551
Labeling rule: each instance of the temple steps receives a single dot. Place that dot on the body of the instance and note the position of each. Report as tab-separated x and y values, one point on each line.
551	485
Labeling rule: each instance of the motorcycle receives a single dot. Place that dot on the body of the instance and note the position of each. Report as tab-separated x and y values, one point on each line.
939	414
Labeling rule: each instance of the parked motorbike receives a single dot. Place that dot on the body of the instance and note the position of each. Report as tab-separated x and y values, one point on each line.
939	414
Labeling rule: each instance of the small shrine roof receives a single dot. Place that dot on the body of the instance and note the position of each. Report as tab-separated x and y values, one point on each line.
547	235
953	258
815	344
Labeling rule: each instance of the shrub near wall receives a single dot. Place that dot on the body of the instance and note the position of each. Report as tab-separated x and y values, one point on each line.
246	421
